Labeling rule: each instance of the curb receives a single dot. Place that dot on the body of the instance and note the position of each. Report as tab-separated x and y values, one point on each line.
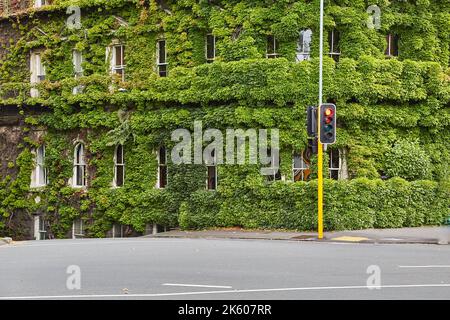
306	238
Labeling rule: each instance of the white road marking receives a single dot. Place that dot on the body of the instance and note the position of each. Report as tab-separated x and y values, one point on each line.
195	285
430	266
149	295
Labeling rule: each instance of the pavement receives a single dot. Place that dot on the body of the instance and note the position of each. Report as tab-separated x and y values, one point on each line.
224	269
425	235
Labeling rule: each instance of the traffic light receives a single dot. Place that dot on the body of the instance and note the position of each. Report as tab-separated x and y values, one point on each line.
327	123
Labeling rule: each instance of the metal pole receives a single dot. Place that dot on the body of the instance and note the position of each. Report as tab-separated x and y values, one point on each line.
320	147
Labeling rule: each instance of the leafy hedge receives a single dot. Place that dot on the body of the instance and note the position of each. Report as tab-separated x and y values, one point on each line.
349	205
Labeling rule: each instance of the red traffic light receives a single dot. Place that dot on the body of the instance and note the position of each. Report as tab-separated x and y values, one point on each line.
328	112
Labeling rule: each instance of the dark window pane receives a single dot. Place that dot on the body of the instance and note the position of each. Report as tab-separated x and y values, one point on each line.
162	155
271	45
162	176
211	178
119	154
210	47
119	55
162	71
119	175
162	51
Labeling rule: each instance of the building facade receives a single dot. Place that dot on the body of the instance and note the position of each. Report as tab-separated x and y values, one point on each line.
92	92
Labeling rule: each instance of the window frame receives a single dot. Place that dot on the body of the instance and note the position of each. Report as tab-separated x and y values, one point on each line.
40	3
116	165
38	71
392	49
114	67
162	169
295	170
79	164
276	46
210	59
40	169
331	169
213	166
159	64
303	55
81	234
331	42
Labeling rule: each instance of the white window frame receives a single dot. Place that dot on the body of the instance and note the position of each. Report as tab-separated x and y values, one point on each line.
116	165
40	3
275	44
209	59
115	68
79	234
77	61
39	176
79	163
390	38
37	72
40	230
302	169
212	165
159	64
273	177
334	53
160	165
113	230
332	169
302	44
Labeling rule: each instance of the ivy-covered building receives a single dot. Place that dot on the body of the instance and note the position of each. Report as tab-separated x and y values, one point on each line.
91	91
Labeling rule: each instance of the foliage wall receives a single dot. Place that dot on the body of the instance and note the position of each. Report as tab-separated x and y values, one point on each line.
382	103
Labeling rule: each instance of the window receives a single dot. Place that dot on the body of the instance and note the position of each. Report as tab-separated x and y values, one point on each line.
40	3
276	173
161	58
118	61
300	168
119	166
304	45
77	59
40	228
272	47
392	45
333	42
79	167
211	169
210	48
39	174
118	230
37	70
78	229
334	163
162	168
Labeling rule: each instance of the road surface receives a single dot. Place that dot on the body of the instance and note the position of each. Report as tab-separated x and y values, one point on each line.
151	268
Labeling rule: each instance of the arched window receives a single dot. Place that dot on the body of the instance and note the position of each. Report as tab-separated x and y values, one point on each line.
119	166
79	166
304	45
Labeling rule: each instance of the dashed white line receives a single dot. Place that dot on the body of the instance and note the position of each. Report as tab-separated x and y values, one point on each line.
429	266
195	285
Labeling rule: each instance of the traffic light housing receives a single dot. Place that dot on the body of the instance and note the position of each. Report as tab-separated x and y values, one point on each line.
327	123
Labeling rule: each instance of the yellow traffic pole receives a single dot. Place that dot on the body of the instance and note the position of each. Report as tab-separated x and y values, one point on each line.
319	145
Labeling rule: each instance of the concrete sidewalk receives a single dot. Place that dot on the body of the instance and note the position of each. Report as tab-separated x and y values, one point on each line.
426	235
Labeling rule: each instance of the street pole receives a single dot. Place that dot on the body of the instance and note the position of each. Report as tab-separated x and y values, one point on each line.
320	147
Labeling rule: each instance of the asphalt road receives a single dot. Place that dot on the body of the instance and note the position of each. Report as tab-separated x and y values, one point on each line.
148	268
